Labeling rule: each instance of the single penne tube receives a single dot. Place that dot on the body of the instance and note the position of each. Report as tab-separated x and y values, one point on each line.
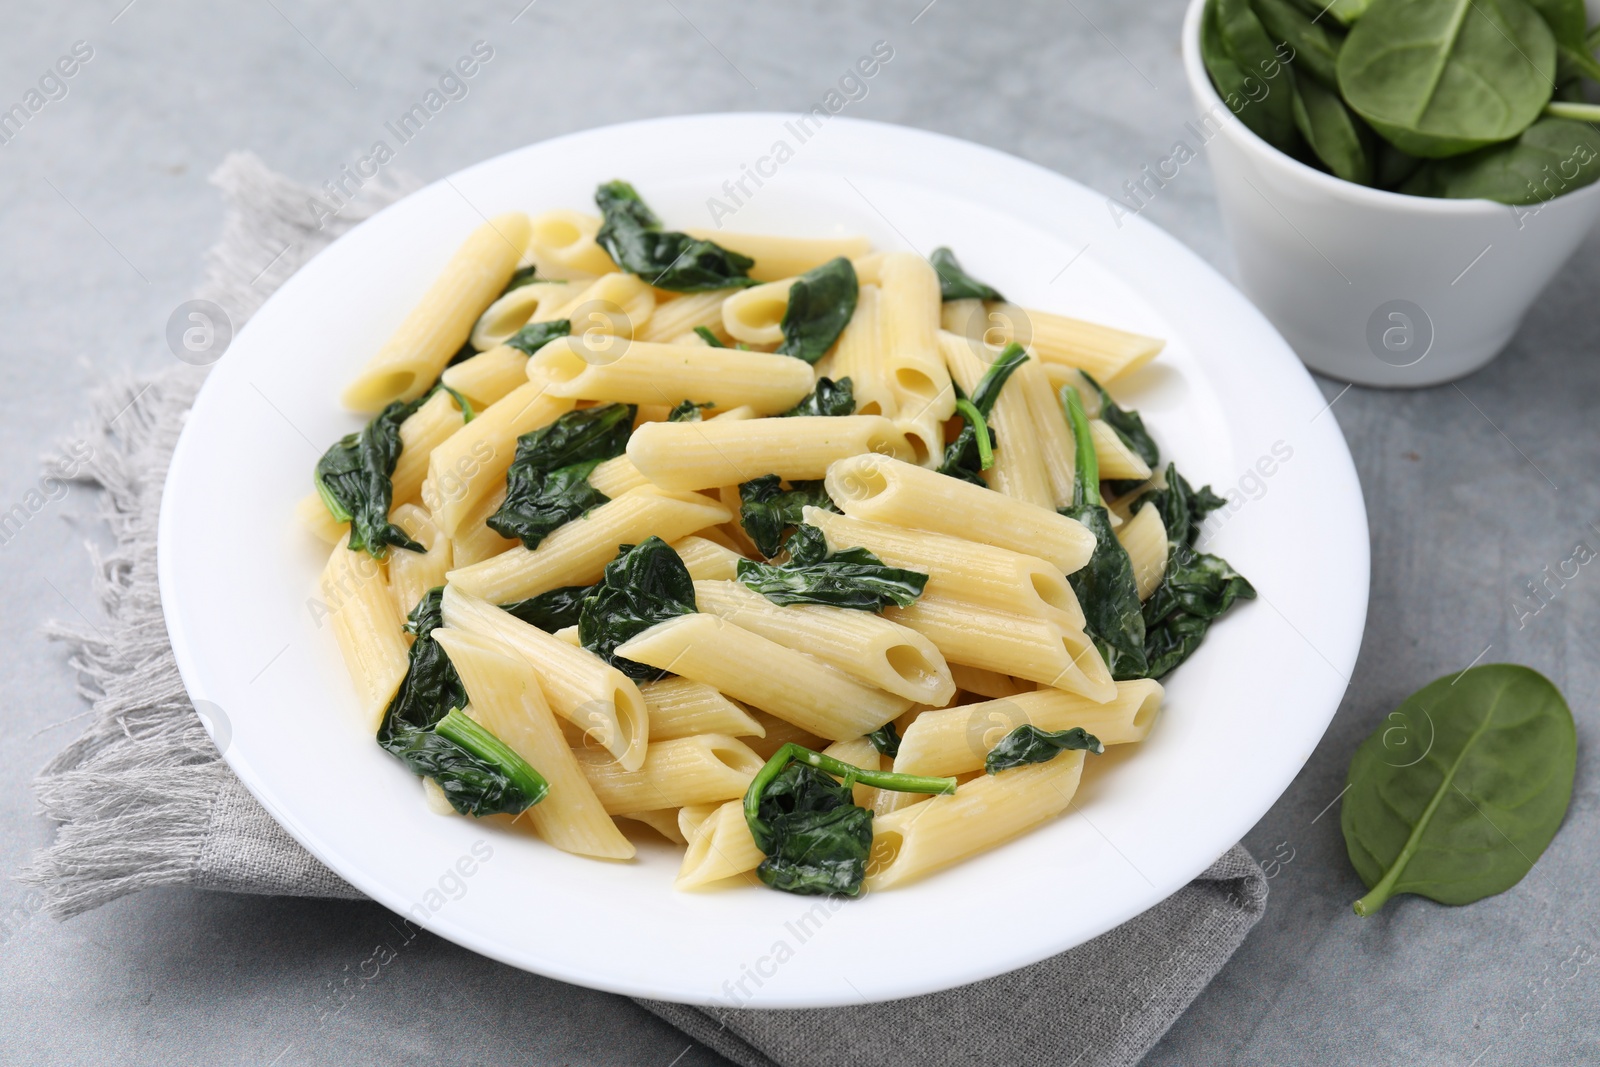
859	357
924	431
1117	460
1049	422
582	688
508	701
680	707
760	672
576	553
955	740
1036	649
780	732
474	541
562	245
908	318
412	574
864	645
471	463
1102	351
990	684
778	257
707	560
663	822
858	752
721	846
1018	469
885	490
642	372
687	770
995	578
755	315
693	816
616	476
678	317
868	266
316	518
516	309
429	426
488	376
980	814
1144	538
439	324
368	628
610	309
708	455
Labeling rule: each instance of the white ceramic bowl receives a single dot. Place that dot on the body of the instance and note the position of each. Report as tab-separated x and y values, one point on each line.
1370	286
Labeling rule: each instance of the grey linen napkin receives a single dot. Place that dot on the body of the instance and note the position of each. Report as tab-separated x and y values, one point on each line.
143	797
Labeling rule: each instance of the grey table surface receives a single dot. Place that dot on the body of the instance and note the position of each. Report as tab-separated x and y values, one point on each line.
1472	489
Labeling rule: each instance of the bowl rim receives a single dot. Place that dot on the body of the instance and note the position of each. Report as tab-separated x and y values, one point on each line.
1206	95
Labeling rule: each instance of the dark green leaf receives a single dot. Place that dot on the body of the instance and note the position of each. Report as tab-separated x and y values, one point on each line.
632	236
1029	744
961	456
353	479
554	610
688	411
1391	167
1127	423
1461	788
821	302
1314	45
1441	77
1552	157
852	578
1183	508
767	510
520	277
886	739
1567	19
957	284
536	335
828	398
1195	591
1340	140
547	485
1270	114
477	777
646	584
708	337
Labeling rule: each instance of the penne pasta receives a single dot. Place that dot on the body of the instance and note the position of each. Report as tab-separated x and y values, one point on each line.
438	326
675	319
367	626
688	770
1019	466
987	683
1144	538
663	822
908	319
1117	460
412	574
641	372
858	355
858	752
777	257
679	707
755	315
428	427
707	560
1102	351
514	310
608	311
720	847
315	517
616	476
562	245
488	376
780	732
708	455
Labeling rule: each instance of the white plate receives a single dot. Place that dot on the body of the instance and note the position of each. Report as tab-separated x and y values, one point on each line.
238	580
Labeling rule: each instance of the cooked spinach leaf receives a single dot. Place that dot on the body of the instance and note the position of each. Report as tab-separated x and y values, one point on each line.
815	838
767	510
1460	789
688	411
646	584
886	739
963	457
554	610
1029	744
1183	508
1105	585
547	485
828	398
520	277
716	342
353	479
955	283
851	578
821	302
424	728
1129	427
632	236
1195	591
536	335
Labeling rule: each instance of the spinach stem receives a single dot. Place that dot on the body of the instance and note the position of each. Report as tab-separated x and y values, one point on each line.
980	432
458	727
1086	465
1562	109
899	783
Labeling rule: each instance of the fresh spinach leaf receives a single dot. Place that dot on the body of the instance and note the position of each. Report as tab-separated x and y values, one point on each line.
1231	81
767	510
851	578
886	739
1461	788
1340	140
815	838
646	584
520	277
424	728
821	302
1441	77
536	335
554	610
963	457
688	411
1029	744
828	398
1526	170
1105	586
1270	114
632	236
547	485
1314	46
955	283
353	479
